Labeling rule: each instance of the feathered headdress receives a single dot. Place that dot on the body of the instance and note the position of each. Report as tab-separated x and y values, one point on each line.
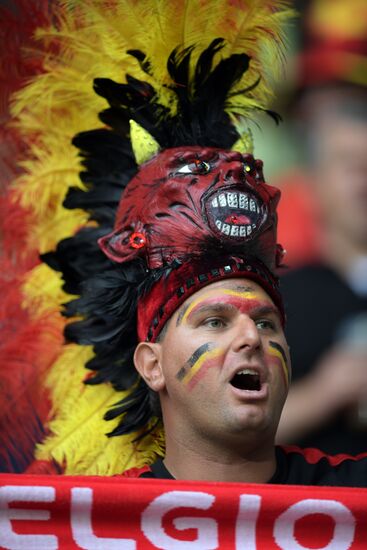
181	79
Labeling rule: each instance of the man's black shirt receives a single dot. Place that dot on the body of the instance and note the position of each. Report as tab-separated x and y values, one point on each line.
297	466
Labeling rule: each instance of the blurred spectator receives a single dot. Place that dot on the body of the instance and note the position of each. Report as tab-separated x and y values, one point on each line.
327	406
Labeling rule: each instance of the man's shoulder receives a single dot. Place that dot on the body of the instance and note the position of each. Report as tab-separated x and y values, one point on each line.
312	466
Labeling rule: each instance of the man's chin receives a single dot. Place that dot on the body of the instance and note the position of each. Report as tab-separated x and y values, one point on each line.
249	424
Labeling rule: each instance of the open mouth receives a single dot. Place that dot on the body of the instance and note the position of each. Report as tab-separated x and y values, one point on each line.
235	213
246	379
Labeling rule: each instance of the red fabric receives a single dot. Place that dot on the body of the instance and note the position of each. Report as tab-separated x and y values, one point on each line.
313	455
111	513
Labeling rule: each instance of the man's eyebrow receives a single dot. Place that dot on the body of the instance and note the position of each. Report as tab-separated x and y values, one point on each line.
256	311
265	310
216	308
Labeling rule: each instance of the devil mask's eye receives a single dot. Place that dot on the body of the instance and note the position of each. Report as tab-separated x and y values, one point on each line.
195	167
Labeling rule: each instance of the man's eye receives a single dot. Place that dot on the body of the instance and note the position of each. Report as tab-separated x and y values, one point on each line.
265	324
214	322
196	167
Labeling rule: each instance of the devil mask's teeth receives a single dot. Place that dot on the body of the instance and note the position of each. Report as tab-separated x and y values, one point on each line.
235	230
235	214
235	200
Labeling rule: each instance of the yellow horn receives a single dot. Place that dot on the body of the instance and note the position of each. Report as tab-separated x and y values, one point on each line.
143	143
245	143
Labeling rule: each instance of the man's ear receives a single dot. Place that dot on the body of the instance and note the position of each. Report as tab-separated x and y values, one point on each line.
147	361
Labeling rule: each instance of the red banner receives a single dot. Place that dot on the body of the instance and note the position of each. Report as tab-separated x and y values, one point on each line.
112	513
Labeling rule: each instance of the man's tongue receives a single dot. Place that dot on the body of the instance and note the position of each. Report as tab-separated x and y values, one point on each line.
237	219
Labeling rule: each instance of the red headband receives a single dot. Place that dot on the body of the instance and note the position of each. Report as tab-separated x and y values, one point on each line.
157	306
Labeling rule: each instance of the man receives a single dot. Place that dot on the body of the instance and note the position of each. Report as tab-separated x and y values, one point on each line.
222	371
330	365
221	368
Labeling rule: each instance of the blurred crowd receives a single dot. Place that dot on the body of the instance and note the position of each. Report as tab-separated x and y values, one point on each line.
323	226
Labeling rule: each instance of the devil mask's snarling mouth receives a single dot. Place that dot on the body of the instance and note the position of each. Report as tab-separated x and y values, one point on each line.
235	213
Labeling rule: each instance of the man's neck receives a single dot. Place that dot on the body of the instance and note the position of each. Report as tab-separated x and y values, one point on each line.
185	460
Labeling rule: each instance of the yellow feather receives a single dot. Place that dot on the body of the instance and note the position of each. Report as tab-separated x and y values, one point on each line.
42	290
78	441
245	143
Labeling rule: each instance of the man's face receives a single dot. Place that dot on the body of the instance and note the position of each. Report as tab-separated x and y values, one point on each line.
224	363
338	124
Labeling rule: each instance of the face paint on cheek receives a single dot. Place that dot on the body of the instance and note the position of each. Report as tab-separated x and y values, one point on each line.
204	358
277	353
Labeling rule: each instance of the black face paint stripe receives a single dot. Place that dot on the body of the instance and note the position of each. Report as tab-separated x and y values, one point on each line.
278	347
245	288
194	357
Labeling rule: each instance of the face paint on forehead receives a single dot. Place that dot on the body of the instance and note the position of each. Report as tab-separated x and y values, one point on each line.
181	314
244	301
276	351
205	357
244	288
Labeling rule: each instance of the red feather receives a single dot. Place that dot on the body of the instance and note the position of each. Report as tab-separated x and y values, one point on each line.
27	347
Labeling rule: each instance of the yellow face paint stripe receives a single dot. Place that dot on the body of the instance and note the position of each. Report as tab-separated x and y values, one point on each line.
199	363
276	353
249	295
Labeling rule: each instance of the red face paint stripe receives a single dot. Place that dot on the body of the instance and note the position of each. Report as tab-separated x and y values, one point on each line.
244	304
200	362
213	362
279	348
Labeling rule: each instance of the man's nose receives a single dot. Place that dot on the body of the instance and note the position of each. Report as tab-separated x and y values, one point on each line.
246	334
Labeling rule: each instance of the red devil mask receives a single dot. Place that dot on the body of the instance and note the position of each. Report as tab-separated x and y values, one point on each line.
187	199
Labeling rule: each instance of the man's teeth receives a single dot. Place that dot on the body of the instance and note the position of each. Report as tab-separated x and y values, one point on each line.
246	379
248	371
